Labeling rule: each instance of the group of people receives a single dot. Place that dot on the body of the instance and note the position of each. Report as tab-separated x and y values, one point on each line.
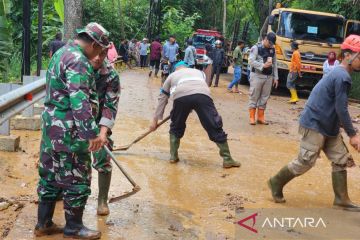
82	94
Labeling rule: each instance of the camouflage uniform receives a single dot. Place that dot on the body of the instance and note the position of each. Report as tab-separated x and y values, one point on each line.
68	122
108	89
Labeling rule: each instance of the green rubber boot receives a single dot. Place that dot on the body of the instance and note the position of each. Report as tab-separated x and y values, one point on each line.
45	225
228	162
75	228
277	183
104	185
174	146
342	200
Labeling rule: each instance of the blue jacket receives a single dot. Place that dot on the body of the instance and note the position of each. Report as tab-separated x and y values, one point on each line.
327	106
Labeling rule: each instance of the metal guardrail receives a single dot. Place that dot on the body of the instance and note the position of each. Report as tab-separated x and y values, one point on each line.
19	99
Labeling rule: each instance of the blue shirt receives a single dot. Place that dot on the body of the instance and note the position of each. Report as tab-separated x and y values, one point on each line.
327	106
143	49
190	54
170	51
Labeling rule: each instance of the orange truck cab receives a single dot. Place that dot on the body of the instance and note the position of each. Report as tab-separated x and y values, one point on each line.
317	34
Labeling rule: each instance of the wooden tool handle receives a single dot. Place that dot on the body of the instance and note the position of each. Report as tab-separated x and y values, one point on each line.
148	132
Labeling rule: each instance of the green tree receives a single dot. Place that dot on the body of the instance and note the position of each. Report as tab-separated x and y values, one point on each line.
177	23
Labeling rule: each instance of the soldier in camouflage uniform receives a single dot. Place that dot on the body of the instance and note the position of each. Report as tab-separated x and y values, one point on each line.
70	133
108	89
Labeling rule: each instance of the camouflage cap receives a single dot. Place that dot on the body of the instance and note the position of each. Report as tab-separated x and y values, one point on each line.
97	32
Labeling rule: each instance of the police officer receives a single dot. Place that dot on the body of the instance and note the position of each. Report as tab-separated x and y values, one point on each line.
264	75
70	133
108	89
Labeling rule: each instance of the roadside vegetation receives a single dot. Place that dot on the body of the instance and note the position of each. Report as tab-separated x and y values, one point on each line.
128	19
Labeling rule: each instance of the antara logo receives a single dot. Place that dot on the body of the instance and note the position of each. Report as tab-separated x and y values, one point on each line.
291	222
285	222
242	222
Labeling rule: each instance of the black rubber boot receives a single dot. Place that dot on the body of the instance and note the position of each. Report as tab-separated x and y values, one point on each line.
174	146
104	185
342	200
228	161
75	228
45	225
277	183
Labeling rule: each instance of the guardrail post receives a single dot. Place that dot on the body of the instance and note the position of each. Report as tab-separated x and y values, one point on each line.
8	142
30	117
29	112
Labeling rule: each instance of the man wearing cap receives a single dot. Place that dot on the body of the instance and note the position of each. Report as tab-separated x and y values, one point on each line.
264	75
190	92
108	89
325	111
143	52
70	133
218	57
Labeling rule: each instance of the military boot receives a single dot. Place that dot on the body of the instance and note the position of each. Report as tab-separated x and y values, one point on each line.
228	161
174	146
277	183
104	185
75	228
45	225
342	200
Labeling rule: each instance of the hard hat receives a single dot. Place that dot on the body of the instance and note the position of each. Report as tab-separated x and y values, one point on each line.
352	43
217	42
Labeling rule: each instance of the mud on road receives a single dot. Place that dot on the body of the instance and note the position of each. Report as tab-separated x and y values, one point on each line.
194	199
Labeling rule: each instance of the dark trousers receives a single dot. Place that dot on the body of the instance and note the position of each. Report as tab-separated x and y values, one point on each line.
216	70
143	59
204	107
155	64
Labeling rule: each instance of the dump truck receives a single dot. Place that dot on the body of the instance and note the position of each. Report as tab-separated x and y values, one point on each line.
317	34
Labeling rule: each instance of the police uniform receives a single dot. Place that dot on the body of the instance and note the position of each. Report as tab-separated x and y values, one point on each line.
261	79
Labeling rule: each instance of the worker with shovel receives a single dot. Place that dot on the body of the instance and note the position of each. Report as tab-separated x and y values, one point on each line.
324	113
108	89
70	133
190	92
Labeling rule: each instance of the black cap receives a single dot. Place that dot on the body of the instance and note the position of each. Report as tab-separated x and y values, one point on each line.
294	45
271	37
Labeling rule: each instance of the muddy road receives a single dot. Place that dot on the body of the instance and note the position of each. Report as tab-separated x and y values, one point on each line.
194	199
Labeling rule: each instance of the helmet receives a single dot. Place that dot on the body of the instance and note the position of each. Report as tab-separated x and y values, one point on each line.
217	42
352	43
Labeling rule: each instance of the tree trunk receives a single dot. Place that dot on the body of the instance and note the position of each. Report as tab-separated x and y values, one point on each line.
73	17
224	19
122	19
270	6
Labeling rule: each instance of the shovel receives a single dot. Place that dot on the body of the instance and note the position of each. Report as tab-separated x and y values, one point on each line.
136	187
126	147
